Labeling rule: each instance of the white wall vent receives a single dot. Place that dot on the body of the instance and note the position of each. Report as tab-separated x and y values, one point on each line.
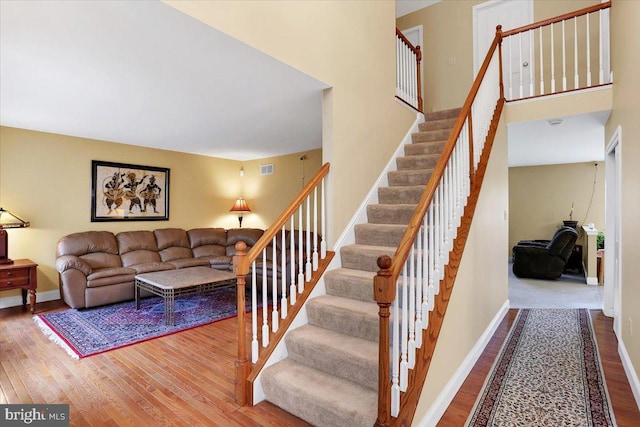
266	169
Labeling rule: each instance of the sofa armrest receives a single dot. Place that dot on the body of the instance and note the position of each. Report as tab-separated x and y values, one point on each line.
68	262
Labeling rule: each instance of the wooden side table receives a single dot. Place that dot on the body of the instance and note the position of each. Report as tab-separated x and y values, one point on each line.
22	275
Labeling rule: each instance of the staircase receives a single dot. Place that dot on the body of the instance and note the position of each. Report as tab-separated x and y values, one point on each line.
330	377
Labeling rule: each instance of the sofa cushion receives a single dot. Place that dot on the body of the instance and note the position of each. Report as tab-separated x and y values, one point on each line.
87	242
137	247
148	267
248	235
110	276
170	237
189	262
221	262
208	242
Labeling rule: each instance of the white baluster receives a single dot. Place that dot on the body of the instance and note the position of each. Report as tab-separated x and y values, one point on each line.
520	65
419	287
532	77
553	68
315	228
433	255
541	66
265	305
411	315
274	285
398	71
564	61
300	253
292	263
588	53
442	226
308	239
404	334
255	349
601	71
284	305
510	68
424	308
395	358
576	78
323	244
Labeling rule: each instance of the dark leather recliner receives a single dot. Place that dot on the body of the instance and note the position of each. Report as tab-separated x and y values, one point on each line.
542	260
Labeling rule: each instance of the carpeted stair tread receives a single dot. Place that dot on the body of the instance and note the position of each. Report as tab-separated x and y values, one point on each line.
347	316
421	148
390	214
364	257
430	135
379	234
349	283
319	398
407	194
444	114
438	124
409	177
423	161
345	356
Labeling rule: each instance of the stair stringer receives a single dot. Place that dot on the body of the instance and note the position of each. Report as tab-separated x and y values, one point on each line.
347	237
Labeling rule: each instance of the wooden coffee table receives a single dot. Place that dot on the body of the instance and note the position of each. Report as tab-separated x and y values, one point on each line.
185	281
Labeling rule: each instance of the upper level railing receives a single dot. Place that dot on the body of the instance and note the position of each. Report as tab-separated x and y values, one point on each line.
571	51
282	268
406	286
408	84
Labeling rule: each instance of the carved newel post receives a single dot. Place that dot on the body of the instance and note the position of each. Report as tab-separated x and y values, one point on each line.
384	293
241	269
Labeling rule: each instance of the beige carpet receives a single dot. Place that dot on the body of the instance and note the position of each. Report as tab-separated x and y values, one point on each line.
570	291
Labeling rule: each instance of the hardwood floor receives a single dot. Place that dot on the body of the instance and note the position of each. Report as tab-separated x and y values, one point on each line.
624	406
186	379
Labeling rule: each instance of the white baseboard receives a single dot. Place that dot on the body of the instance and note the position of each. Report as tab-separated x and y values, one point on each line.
444	399
631	373
593	281
40	297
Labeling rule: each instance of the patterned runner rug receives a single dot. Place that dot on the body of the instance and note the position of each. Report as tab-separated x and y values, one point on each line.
91	331
548	373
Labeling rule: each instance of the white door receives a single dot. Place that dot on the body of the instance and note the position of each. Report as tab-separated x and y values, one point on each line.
613	205
518	63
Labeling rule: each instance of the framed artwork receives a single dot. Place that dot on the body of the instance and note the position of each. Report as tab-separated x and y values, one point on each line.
124	192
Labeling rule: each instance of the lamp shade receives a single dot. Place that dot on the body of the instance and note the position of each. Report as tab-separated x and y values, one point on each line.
240	206
9	220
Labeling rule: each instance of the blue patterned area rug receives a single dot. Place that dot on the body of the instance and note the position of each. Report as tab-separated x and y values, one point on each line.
548	373
92	331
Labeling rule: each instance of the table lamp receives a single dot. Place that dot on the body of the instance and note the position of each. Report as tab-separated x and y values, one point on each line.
8	220
240	206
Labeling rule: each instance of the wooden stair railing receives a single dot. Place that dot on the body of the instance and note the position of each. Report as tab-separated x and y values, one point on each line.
299	263
408	81
423	257
551	46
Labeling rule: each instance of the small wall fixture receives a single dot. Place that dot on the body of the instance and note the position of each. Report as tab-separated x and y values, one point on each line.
241	207
8	220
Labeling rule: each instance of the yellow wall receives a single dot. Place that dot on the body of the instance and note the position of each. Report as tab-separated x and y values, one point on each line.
448	32
481	285
46	178
349	45
268	195
625	56
540	198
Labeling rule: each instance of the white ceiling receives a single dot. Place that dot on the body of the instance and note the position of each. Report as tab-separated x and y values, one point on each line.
405	7
143	73
577	139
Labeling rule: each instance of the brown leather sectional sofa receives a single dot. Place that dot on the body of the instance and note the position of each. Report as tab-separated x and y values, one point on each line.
99	267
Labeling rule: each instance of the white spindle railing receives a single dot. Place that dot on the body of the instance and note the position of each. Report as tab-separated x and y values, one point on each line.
419	280
408	86
288	254
555	47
